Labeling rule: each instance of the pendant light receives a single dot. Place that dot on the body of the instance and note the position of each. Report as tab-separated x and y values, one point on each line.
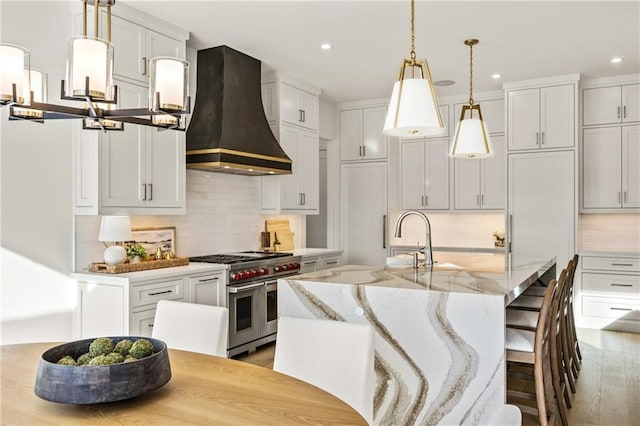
471	139
413	109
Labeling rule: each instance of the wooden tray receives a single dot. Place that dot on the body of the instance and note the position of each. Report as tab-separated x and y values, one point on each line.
140	266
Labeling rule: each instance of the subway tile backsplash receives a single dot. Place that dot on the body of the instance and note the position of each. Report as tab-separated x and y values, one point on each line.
223	215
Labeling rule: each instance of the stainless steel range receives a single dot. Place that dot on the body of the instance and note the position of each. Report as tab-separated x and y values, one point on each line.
252	295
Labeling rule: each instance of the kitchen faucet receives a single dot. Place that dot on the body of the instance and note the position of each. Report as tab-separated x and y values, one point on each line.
428	255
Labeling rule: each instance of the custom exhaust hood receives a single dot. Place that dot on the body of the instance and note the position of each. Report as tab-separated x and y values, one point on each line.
228	131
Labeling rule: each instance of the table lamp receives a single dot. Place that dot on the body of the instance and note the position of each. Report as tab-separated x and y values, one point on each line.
115	229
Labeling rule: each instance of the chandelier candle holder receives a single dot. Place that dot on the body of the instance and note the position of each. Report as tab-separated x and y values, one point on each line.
413	108
471	139
89	79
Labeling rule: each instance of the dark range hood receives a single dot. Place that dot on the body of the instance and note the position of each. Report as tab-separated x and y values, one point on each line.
228	131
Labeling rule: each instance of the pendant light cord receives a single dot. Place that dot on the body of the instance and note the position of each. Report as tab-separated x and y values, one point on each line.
471	74
413	35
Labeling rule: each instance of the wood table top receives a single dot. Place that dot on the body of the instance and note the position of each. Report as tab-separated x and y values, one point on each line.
203	390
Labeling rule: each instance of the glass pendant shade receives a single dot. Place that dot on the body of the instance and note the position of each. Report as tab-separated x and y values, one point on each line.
103	123
169	84
14	63
93	59
471	139
38	85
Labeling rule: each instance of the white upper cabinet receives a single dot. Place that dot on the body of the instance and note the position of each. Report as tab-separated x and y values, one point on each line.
481	184
611	168
298	107
299	190
425	174
361	136
611	105
492	114
541	117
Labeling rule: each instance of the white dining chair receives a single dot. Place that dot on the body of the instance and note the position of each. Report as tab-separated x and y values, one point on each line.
192	327
506	415
332	355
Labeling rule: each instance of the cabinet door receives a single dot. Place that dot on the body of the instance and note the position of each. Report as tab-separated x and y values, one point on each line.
493	178
165	169
123	156
289	191
601	168
541	204
436	174
308	103
412	166
601	105
101	310
129	39
351	134
142	323
289	108
309	170
364	209
557	117
329	262
161	45
309	264
208	290
631	166
631	103
466	184
524	119
374	141
493	115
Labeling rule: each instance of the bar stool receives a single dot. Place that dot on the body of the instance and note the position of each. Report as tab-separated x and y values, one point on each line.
573	338
569	356
532	348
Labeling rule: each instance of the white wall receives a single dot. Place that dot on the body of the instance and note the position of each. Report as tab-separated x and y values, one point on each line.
36	231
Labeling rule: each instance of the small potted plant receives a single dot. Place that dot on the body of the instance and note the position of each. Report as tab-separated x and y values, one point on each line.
136	253
499	236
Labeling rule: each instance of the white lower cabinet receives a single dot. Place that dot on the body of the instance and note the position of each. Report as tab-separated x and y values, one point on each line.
609	294
125	304
319	262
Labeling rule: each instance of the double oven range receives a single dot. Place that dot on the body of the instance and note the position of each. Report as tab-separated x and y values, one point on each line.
252	295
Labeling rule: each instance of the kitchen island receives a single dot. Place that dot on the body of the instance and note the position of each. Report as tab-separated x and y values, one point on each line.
439	331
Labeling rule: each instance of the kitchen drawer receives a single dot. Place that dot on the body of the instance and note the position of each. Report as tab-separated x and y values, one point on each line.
142	323
613	308
151	293
309	264
611	284
625	264
329	262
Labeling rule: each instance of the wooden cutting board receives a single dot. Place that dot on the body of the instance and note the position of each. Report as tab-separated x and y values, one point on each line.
282	228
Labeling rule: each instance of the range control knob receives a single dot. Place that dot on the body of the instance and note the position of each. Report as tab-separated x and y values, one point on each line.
252	273
296	266
265	271
285	267
277	268
234	277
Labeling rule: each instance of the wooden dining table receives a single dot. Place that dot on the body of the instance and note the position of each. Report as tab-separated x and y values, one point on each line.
203	389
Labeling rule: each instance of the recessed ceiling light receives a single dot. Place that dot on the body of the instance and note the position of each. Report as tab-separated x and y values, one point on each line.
616	60
325	46
496	76
443	83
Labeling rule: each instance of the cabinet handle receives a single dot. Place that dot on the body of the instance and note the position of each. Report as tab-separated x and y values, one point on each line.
364	150
426	200
144	67
619	197
150	191
422	200
360	151
621	309
332	263
482	200
621	285
208	280
150	325
161	292
542	138
300	115
145	192
537	138
625	196
384	231
478	200
622	264
510	231
313	262
618	112
304	199
304	116
299	198
624	111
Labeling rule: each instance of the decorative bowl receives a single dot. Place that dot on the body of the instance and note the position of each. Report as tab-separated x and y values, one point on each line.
84	384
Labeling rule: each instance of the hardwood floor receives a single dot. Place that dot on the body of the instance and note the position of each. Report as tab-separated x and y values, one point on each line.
607	390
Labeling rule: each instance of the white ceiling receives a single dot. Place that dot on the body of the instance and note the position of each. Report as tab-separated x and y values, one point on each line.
520	40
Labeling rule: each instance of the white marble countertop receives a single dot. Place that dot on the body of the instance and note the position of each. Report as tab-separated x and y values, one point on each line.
452	248
314	252
455	272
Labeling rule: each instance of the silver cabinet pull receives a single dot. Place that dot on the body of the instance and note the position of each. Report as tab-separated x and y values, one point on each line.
621	285
478	200
208	280
625	196
150	191
619	197
150	325
621	309
145	192
426	200
384	231
304	116
161	292
510	232
482	200
332	263
618	112
541	138
313	262
304	198
144	66
624	111
622	264
364	150
360	151
300	198
537	138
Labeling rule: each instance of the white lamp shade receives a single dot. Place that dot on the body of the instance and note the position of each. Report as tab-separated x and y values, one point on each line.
169	79
471	140
93	58
417	111
115	228
38	83
14	62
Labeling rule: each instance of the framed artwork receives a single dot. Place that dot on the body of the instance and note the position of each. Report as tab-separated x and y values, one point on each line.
152	238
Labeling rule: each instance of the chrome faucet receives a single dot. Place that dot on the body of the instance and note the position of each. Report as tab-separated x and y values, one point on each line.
428	254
